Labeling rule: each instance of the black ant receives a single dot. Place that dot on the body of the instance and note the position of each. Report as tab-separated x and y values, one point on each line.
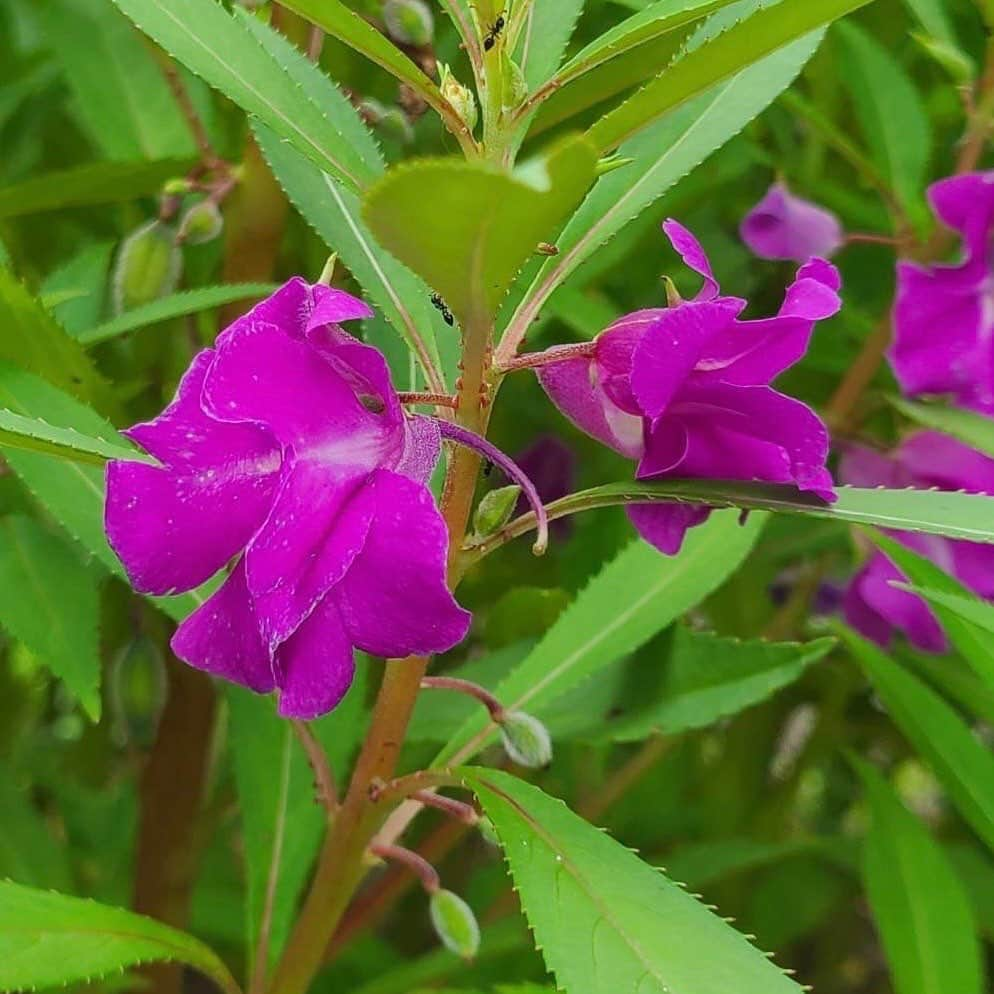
440	305
491	37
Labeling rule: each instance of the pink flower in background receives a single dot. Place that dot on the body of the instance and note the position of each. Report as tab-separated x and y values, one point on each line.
782	226
873	606
944	314
286	449
685	392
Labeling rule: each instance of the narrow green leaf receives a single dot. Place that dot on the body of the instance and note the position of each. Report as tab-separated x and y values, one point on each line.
890	113
84	186
604	920
82	282
174	306
740	46
222	50
934	19
973	429
36	435
921	909
50	940
471	256
962	764
544	37
48	601
707	678
637	595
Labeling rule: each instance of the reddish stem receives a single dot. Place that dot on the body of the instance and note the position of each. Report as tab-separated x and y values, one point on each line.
418	865
534	360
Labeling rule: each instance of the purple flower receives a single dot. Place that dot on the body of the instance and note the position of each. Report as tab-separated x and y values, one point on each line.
925	459
944	314
685	392
782	226
286	451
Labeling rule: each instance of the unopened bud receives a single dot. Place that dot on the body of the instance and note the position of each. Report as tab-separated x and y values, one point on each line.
454	923
148	266
526	740
515	84
409	21
609	163
394	124
371	111
460	97
177	186
495	509
487	830
201	223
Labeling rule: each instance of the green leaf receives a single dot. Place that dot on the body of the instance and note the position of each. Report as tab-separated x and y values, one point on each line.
471	256
121	95
36	435
49	940
707	678
71	491
740	46
604	920
661	155
921	909
973	642
175	305
544	37
975	430
890	114
31	339
82	282
637	595
222	50
964	766
48	601
935	20
84	186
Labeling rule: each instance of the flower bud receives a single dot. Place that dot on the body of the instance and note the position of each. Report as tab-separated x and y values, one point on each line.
178	186
394	124
409	22
454	923
487	830
201	223
148	266
371	111
515	84
495	509
526	740
461	97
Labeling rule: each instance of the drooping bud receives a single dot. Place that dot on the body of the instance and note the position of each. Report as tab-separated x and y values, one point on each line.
461	97
495	509
526	740
515	84
148	266
489	833
137	692
201	223
394	124
409	22
454	923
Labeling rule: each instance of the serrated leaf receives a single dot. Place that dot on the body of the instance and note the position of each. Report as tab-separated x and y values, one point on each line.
662	155
174	306
49	939
221	49
920	907
890	113
962	764
604	920
544	37
975	430
740	46
85	186
637	595
36	435
471	256
707	678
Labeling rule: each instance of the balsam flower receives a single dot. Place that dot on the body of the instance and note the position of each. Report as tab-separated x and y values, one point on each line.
873	606
685	391
944	314
783	226
286	450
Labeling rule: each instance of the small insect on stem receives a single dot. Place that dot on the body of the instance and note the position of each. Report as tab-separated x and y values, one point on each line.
490	39
442	307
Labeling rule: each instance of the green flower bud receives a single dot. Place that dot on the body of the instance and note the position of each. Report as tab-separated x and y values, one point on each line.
394	124
526	740
201	223
454	923
148	266
177	187
372	111
461	97
495	509
409	22
487	830
137	692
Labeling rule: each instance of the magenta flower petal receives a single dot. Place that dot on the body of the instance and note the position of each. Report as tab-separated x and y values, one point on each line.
316	665
175	527
422	449
783	226
667	443
693	255
332	306
222	637
665	525
394	600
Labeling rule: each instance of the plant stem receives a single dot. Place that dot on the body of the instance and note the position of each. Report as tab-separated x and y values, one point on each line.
535	360
324	779
418	865
481	694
